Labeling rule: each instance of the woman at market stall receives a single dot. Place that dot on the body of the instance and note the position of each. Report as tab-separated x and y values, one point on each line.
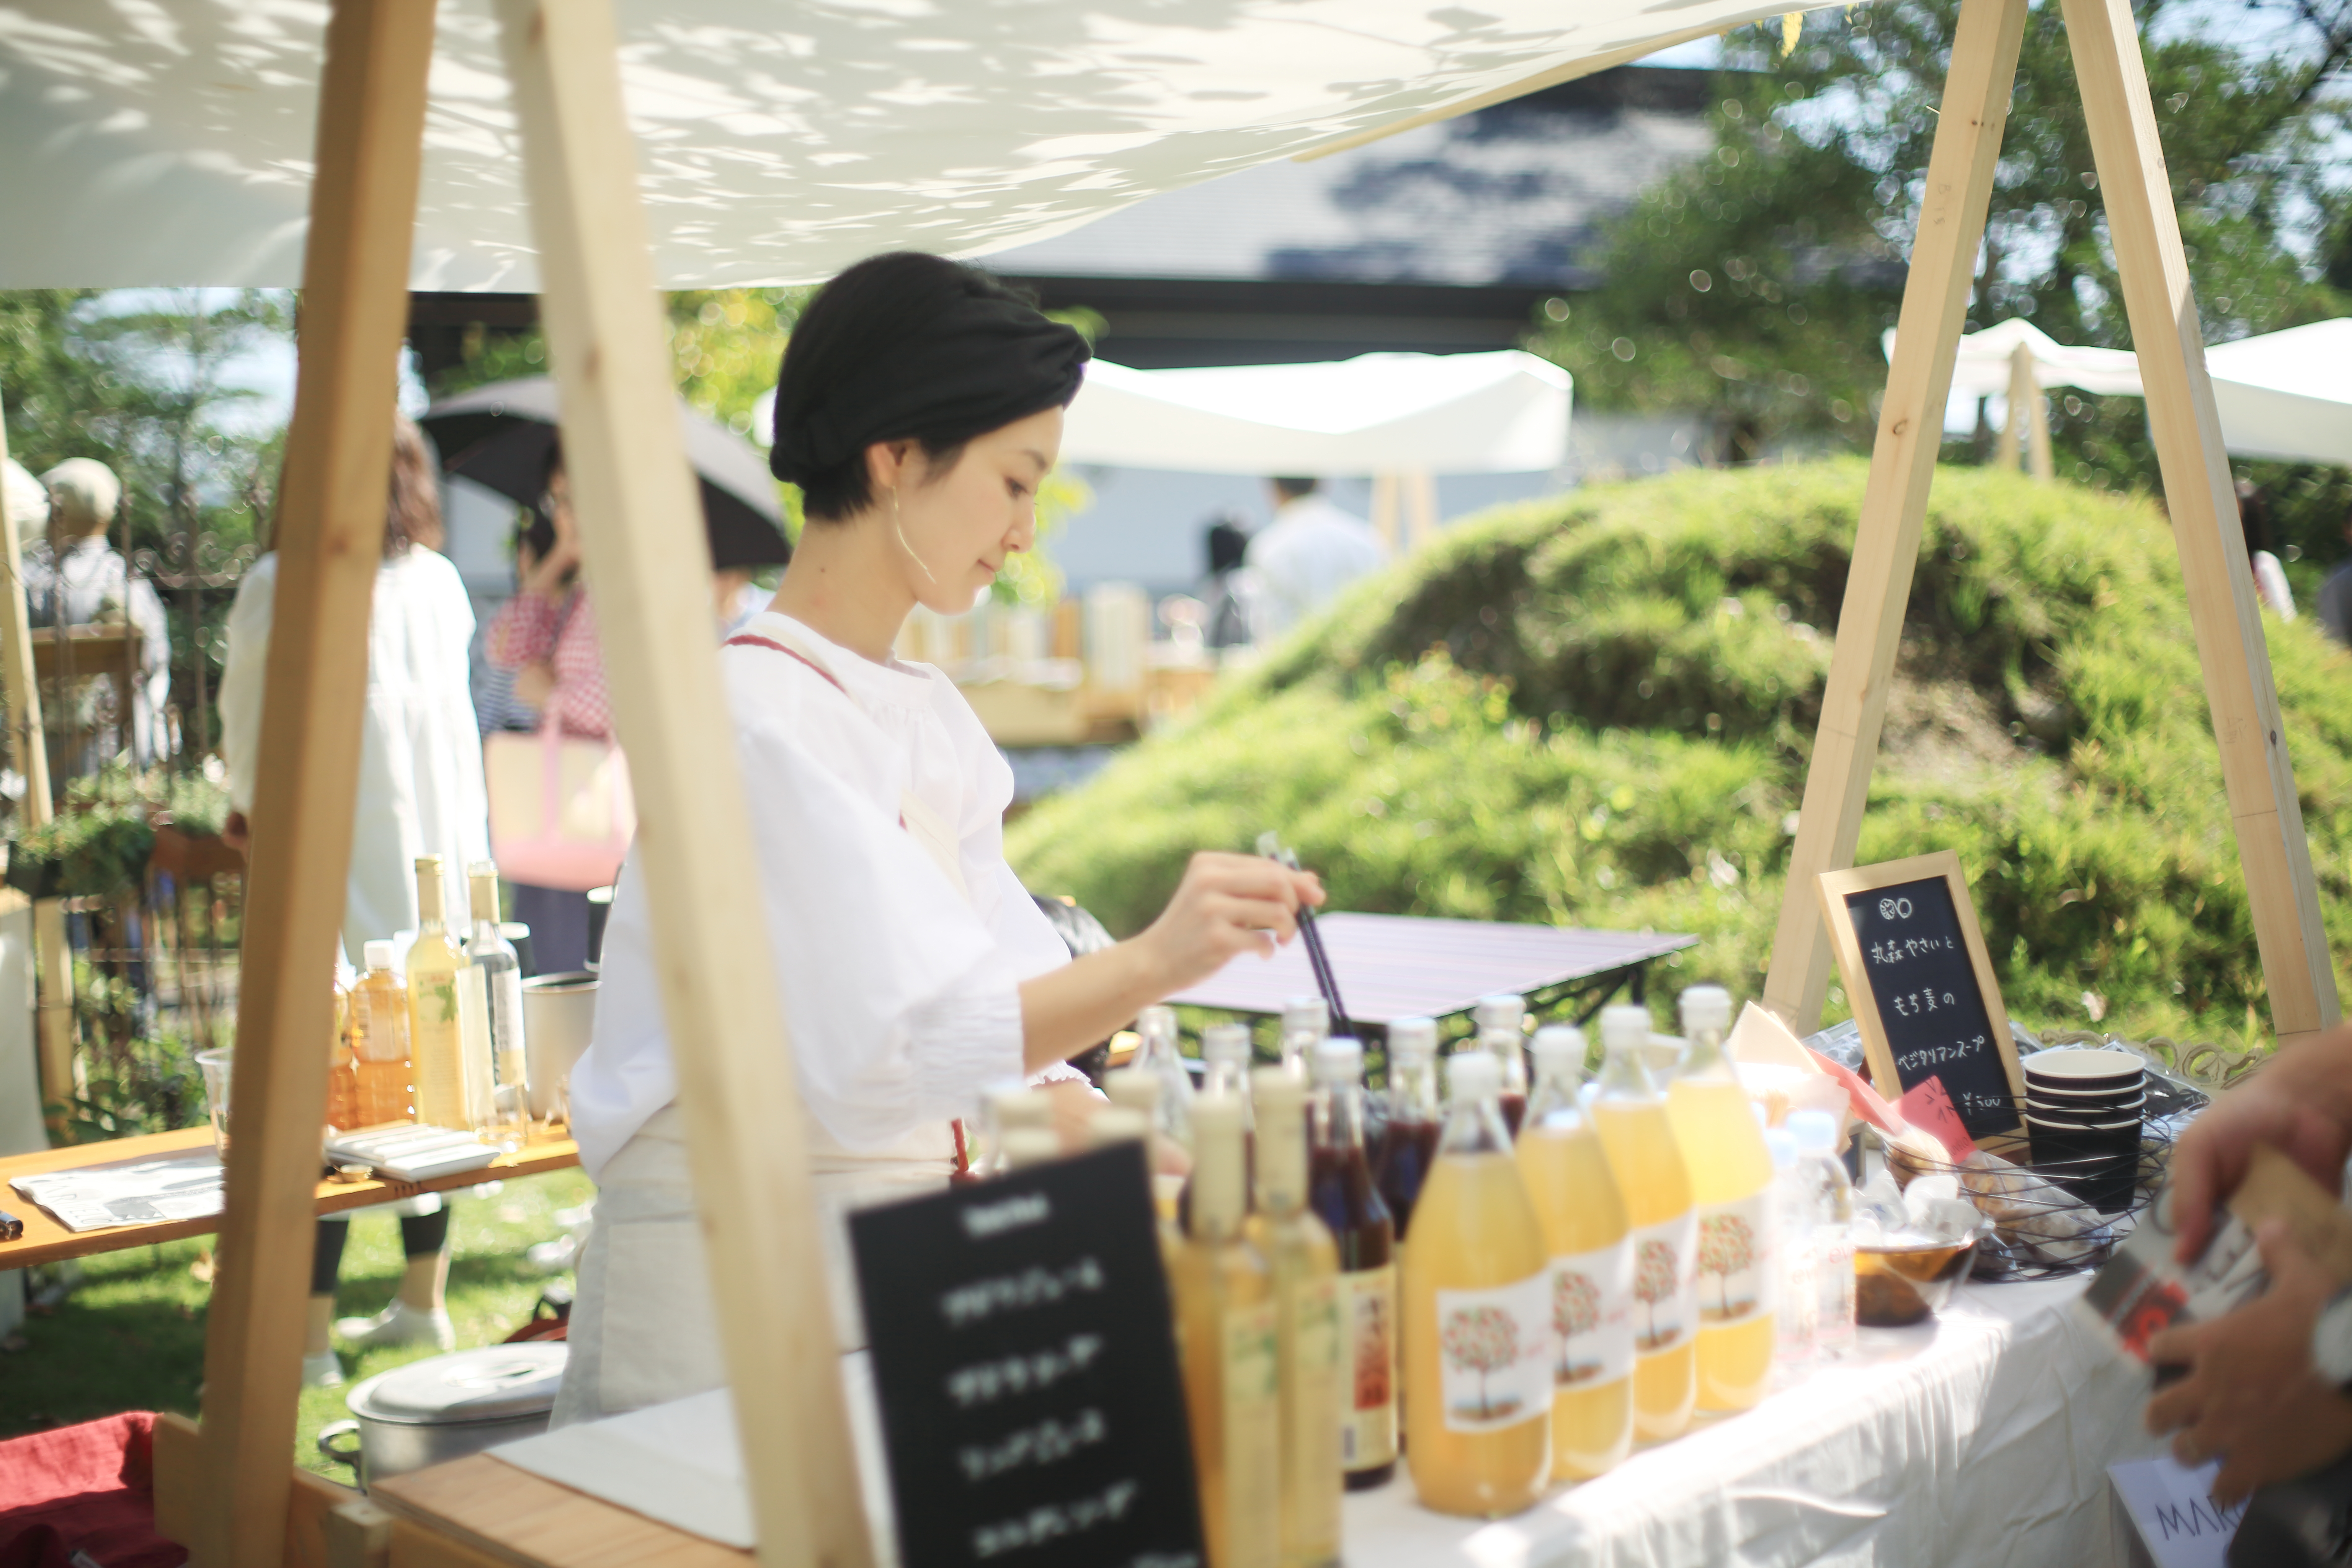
919	407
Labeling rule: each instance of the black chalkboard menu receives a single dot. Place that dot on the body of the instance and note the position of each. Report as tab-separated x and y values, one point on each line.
1025	1359
1922	987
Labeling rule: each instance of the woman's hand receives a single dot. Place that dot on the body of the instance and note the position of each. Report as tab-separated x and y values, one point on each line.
550	575
1225	904
534	684
2299	1101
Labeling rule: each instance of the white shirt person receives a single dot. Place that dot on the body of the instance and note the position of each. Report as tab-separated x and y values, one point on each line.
1304	556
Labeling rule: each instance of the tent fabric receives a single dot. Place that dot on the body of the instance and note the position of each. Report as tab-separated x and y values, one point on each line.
2285	395
170	145
1383	413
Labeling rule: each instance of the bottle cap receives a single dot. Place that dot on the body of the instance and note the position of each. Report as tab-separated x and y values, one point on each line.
477	869
1415	1037
1340	1062
1816	1131
1473	1075
1500	1011
1625	1026
1783	1146
1026	1146
1225	1043
1306	1013
1559	1048
1217	1196
1156	1023
1118	1124
1132	1089
1705	1006
378	954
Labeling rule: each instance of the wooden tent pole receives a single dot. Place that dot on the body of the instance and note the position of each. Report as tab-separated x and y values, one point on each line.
53	1007
329	541
1901	462
631	485
2298	969
2015	450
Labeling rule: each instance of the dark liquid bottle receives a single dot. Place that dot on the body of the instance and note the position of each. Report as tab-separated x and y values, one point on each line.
1340	1192
1500	1019
1515	1110
1409	1142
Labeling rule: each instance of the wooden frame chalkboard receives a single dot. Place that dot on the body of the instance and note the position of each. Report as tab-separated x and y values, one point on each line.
1913	957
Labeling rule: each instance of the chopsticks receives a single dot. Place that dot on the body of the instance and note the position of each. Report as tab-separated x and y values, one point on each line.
1269	844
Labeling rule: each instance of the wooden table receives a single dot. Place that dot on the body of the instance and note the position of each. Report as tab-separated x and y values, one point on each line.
459	1514
1403	966
47	1241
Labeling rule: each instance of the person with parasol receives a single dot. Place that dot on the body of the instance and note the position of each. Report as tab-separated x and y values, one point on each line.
919	407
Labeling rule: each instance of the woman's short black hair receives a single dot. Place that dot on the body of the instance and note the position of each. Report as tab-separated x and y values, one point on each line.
906	346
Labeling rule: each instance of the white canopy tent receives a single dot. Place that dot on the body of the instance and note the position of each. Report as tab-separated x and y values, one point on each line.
2284	395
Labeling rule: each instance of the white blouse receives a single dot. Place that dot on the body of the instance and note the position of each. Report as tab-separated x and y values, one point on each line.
901	993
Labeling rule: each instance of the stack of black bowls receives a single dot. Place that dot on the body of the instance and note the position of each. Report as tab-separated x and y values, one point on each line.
2083	1113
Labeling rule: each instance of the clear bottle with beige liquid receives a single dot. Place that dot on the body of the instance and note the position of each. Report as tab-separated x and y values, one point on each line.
1305	1264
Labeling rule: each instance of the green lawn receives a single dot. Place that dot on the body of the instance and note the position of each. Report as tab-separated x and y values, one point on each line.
132	1336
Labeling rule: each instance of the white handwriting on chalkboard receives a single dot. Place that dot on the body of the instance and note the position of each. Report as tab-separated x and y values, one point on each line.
1929	1055
989	1380
1918	1002
1034	1286
1972	1102
1051	1521
984	1220
1049	1442
1895	949
1894	909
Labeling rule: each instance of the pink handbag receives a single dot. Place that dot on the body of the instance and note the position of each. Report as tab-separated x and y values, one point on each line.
561	812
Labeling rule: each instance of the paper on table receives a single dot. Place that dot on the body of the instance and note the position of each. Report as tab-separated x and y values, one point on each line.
186	1186
2174	1511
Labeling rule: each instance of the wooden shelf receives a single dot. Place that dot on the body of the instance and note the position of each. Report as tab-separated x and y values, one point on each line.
509	1515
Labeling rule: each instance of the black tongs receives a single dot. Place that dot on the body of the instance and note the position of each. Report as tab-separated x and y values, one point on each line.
1269	844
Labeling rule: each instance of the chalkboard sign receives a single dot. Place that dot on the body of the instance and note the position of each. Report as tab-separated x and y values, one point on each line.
1025	1359
1923	991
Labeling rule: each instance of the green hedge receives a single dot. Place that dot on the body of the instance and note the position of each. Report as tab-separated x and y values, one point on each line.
1596	709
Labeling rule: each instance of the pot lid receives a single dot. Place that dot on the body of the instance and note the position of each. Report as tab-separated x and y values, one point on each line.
493	1384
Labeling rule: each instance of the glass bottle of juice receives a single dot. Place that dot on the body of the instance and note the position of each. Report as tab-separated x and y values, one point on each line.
1409	1142
1731	1188
1306	1023
380	1041
502	970
436	1027
1477	1316
1226	1065
1227	1337
1159	1057
342	1065
1583	1220
1339	1187
1135	1090
1502	1020
1630	1116
1305	1265
1006	1109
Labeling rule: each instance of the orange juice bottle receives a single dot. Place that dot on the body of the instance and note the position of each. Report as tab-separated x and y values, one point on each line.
380	1041
1731	1185
1478	1315
1305	1264
1583	1220
1630	1116
1226	1334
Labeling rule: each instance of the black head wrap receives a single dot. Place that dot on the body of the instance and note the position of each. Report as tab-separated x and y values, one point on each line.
905	344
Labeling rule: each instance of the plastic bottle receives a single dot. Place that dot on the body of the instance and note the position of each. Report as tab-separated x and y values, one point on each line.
1226	1335
1731	1187
1477	1316
1501	1022
380	1041
1798	1307
1305	1263
1159	1057
1306	1023
1583	1219
1630	1117
1829	1200
342	1062
1409	1142
1340	1191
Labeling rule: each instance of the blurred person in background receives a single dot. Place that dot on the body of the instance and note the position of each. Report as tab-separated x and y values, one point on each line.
420	793
2270	577
73	577
2335	606
1229	585
1304	556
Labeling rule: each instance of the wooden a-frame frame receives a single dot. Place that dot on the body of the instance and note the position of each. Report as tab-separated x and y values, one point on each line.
227	1488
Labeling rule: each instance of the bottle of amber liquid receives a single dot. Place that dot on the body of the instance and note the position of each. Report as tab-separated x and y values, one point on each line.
1501	1021
380	1041
1340	1189
1298	1249
343	1067
1410	1143
1226	1334
438	974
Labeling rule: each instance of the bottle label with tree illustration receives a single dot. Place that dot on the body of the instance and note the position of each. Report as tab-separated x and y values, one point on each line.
1493	1353
1593	1316
1737	1264
1666	1310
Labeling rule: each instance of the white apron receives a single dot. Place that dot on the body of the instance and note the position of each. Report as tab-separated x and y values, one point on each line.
643	1329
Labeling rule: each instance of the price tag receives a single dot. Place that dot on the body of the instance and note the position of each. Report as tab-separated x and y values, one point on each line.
1928	1107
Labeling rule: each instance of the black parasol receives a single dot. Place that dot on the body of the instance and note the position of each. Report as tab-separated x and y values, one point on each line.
498	436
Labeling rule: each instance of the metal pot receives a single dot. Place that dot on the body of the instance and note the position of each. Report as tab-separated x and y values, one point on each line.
558	1011
446	1407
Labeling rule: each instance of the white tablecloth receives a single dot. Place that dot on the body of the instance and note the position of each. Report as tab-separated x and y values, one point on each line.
1981	1438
